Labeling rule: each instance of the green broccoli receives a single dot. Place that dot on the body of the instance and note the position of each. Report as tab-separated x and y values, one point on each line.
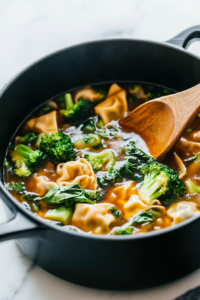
28	138
160	180
58	147
39	139
17	187
78	112
99	159
26	160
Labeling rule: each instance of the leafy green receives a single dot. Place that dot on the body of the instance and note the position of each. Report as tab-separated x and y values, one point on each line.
114	211
191	159
70	195
89	126
124	231
30	197
142	217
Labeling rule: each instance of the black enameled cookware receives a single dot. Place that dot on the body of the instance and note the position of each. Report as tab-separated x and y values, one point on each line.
118	262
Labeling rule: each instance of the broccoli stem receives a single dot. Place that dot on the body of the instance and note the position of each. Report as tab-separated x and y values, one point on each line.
61	214
69	101
87	140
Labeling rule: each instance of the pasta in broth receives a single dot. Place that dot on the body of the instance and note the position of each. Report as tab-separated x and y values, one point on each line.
73	165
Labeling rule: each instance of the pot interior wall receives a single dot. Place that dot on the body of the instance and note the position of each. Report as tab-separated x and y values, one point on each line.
91	63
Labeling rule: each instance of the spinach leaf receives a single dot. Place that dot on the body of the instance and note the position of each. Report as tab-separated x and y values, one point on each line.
127	230
143	217
114	211
70	195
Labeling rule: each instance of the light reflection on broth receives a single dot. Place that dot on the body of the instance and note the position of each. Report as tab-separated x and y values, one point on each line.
121	209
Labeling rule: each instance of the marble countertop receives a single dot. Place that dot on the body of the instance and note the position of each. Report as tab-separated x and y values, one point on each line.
30	30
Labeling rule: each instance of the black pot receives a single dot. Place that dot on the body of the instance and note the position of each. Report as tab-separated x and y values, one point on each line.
118	262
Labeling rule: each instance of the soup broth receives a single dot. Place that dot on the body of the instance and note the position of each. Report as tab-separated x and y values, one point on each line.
73	165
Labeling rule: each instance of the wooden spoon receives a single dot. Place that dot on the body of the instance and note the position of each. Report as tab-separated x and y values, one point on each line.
161	122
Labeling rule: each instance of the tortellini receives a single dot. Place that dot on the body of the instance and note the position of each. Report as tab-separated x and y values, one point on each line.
115	105
44	124
133	206
87	93
79	171
95	218
43	185
120	195
126	199
183	210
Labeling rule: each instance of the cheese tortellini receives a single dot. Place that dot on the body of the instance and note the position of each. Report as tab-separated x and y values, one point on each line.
42	185
126	199
44	124
183	210
87	93
95	218
115	105
133	206
79	171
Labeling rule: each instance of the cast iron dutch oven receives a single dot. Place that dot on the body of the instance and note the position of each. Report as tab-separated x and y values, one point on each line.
118	262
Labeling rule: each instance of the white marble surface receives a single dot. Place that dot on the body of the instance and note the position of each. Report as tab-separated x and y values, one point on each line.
33	28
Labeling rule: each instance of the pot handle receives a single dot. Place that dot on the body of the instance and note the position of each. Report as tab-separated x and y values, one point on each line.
186	37
18	225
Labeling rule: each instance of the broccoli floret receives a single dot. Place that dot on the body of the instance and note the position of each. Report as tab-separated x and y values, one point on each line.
28	138
98	160
26	160
78	112
160	180
39	139
58	147
17	187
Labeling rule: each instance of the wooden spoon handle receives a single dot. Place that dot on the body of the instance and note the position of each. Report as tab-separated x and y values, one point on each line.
185	106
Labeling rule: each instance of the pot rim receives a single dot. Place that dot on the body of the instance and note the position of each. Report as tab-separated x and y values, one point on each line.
38	220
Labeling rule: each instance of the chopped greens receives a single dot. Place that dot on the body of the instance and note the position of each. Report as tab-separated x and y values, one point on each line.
70	195
143	217
114	211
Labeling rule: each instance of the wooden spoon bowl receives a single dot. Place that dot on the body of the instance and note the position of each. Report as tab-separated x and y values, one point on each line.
161	122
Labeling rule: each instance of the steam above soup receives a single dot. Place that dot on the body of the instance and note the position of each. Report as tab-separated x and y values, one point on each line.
73	165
